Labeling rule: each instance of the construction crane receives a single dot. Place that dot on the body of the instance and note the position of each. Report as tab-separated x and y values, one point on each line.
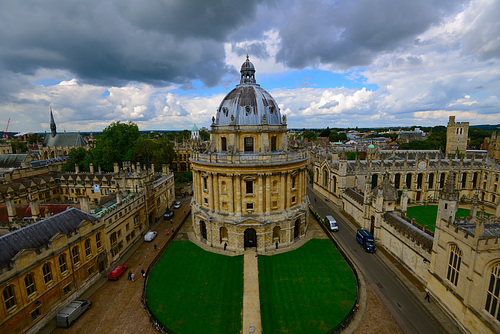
6	128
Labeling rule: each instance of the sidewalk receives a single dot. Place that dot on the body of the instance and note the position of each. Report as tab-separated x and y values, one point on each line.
406	277
116	306
251	299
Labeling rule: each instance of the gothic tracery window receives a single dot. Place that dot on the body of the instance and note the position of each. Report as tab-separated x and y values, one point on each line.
454	262
493	293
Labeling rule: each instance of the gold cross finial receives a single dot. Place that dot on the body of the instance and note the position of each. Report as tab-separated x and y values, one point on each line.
247	56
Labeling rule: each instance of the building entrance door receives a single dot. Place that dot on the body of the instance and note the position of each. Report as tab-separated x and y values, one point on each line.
250	238
296	229
203	230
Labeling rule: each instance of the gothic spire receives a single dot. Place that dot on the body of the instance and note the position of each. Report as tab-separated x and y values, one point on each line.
52	124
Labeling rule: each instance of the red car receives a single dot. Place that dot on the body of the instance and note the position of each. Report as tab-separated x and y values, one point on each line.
117	272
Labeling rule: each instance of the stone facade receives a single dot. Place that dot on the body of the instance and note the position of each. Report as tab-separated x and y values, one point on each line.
249	188
457	134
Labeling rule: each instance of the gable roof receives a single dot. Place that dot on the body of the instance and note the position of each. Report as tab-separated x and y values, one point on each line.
12	160
64	139
39	233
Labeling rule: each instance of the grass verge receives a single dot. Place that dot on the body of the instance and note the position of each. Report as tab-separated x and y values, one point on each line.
308	290
194	291
427	214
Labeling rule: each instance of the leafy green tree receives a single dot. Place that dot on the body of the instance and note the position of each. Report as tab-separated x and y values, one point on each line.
115	144
326	132
420	145
185	134
204	135
185	177
157	152
336	137
18	146
476	137
310	135
34	138
79	156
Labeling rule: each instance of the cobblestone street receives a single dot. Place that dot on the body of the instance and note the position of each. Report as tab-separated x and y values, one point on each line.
116	305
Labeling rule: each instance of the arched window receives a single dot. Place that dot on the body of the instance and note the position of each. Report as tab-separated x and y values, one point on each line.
29	282
276	234
62	263
474	180
325	178
441	180
273	143
317	175
374	181
431	180
223	234
98	240
223	144
223	187
454	262
464	180
334	180
88	250
493	293
293	182
47	273
408	181
75	254
420	177
8	297
397	181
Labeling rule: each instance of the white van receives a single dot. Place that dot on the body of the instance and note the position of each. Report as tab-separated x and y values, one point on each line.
71	312
332	223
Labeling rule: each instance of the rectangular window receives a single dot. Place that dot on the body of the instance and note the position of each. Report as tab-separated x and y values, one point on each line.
76	256
205	183
275	204
98	240
35	314
67	289
454	264
248	144
88	250
223	144
293	182
273	143
249	186
293	199
250	206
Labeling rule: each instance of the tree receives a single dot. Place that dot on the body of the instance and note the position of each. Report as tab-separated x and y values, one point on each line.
204	135
34	138
476	137
157	152
310	135
336	137
79	156
326	132
18	147
115	144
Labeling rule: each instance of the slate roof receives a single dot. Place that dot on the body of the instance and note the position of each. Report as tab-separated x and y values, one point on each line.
12	160
24	210
64	139
39	233
491	230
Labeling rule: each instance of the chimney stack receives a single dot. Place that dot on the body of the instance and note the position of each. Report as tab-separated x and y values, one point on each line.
35	208
85	204
11	209
91	168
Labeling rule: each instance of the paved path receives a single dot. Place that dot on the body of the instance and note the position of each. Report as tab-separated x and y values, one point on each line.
251	300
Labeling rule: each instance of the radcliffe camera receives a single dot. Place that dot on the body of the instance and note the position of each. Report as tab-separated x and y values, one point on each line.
287	167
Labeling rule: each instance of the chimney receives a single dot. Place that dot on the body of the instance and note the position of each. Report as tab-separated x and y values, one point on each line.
11	209
153	168
47	212
35	209
91	168
85	204
138	167
99	168
116	168
164	169
77	168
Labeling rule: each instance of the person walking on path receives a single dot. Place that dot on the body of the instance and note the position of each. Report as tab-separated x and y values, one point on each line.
171	222
129	275
166	231
155	246
427	295
225	245
132	277
143	273
276	245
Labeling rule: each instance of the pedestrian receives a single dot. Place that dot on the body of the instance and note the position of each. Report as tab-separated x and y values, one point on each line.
427	295
225	245
172	230
155	246
132	277
129	275
166	231
171	222
315	200
143	273
276	245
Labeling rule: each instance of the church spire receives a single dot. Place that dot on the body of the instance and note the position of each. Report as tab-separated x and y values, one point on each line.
52	124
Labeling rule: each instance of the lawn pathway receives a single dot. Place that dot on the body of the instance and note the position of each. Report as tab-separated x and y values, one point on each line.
251	301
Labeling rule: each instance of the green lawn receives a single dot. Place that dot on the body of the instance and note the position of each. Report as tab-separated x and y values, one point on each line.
194	291
308	290
426	214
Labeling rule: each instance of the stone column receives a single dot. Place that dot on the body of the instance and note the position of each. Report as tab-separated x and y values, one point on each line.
91	166
283	191
11	209
85	203
211	191
216	193
230	192
237	195
268	192
35	209
260	193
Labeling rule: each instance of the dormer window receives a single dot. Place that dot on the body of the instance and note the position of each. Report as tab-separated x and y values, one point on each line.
271	110
248	110
225	111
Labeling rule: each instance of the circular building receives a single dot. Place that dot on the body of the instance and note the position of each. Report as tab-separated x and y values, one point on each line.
249	188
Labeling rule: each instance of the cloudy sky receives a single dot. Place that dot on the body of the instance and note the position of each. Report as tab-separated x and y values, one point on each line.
167	64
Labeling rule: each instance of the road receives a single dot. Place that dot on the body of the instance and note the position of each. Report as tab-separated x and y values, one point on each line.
404	307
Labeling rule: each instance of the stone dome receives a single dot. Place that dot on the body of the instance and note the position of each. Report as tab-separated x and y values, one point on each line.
248	103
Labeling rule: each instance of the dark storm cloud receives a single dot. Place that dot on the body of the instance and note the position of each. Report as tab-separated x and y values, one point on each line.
257	49
113	42
348	33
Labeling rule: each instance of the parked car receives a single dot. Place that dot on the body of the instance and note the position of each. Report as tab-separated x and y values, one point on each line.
168	214
331	223
115	274
150	236
366	240
71	312
177	204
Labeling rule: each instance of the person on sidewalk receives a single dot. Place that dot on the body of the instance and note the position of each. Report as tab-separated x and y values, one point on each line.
427	295
129	275
155	246
132	277
225	245
276	245
143	273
